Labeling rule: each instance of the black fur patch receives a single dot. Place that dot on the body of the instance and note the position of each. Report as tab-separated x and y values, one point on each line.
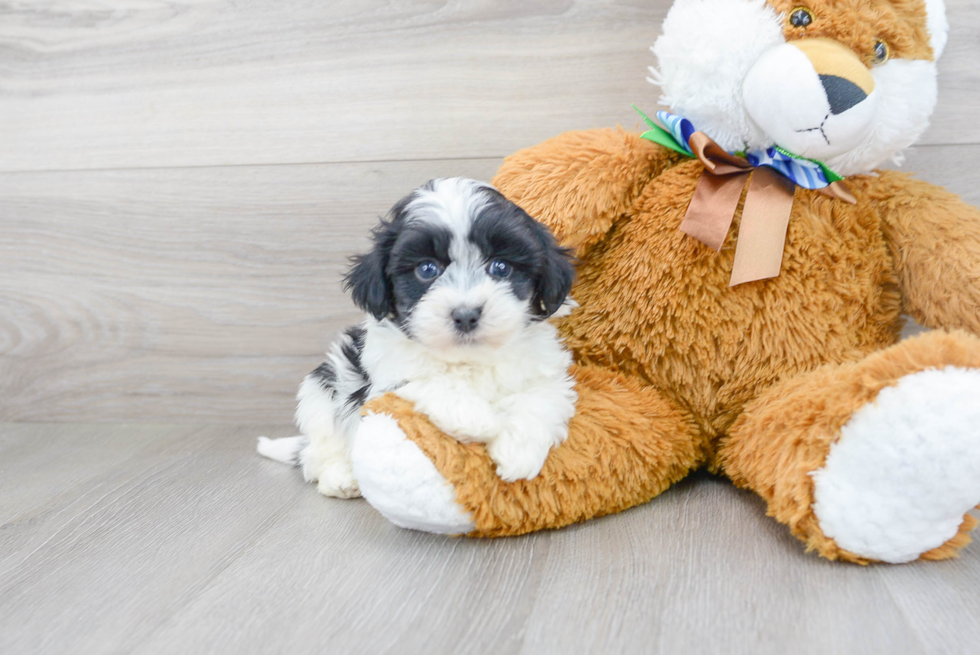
357	398
383	281
505	231
367	280
420	243
326	377
353	348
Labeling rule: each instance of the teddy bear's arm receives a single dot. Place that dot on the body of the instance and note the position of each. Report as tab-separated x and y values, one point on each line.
579	183
934	238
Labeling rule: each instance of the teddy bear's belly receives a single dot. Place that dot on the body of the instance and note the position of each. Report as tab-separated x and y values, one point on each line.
656	303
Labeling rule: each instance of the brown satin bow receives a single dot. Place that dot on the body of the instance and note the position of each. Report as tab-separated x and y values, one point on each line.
765	216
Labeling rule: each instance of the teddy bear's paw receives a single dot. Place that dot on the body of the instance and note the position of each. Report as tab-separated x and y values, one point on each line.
400	481
906	468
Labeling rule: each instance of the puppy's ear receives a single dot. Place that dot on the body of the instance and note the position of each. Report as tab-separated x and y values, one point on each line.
557	274
368	285
367	280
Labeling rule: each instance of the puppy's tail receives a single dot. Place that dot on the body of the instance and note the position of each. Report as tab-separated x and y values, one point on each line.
282	450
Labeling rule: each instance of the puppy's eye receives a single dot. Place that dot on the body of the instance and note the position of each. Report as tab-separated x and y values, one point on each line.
428	271
882	52
499	268
801	17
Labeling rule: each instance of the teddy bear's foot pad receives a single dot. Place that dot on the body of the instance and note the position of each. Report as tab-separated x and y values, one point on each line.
399	481
906	468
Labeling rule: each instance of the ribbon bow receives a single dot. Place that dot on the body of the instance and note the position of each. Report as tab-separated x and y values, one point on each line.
768	203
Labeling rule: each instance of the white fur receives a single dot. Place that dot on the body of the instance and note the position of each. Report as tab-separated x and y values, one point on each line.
505	383
399	481
907	94
282	450
797	116
705	51
517	398
452	203
905	469
938	26
704	56
328	427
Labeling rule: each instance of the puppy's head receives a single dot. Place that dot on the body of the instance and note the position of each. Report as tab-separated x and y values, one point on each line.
457	264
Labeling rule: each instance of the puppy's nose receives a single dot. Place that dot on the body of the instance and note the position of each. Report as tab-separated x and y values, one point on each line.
466	318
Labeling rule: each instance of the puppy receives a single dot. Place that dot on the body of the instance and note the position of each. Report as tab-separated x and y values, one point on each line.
457	289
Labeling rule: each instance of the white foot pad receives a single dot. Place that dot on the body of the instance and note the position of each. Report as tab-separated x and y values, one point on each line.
905	469
402	483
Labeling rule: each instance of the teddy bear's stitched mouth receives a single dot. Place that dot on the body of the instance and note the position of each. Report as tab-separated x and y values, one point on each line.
820	128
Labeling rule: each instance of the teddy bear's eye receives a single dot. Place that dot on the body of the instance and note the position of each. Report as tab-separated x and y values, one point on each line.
801	17
882	52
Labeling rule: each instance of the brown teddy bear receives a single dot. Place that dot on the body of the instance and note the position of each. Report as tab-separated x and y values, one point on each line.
744	272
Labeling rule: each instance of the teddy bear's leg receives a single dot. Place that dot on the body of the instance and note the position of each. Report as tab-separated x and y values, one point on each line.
626	444
875	460
401	482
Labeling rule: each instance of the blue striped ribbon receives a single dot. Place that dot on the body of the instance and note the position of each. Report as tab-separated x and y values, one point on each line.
807	173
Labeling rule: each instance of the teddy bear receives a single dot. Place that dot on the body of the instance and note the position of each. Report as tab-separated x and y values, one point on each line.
744	271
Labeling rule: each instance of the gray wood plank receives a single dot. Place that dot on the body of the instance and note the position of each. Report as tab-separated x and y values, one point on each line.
191	543
935	598
217	82
181	294
701	569
39	463
204	294
953	167
98	571
334	577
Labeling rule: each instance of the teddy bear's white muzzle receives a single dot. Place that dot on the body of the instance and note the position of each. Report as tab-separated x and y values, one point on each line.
812	97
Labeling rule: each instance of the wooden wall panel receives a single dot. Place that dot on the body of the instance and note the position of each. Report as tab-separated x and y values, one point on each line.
181	181
181	294
89	84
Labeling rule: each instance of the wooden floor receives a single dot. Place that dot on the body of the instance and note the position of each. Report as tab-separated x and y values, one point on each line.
156	539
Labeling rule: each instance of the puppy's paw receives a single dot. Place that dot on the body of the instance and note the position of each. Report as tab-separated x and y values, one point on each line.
467	420
337	481
516	458
325	462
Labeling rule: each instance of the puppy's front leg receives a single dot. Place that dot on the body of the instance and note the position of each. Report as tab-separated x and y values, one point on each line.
532	423
325	459
458	412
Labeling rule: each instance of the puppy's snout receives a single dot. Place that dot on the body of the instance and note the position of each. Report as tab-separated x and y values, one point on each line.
466	318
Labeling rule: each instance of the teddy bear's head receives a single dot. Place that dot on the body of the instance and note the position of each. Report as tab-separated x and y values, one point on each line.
849	82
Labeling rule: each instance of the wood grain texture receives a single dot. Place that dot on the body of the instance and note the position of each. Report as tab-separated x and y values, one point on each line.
154	282
189	542
135	83
204	294
181	294
96	570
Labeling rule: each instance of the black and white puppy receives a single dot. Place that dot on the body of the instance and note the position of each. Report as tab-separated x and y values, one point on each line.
457	289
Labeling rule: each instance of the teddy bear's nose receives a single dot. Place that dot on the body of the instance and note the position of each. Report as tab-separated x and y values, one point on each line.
842	94
846	81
